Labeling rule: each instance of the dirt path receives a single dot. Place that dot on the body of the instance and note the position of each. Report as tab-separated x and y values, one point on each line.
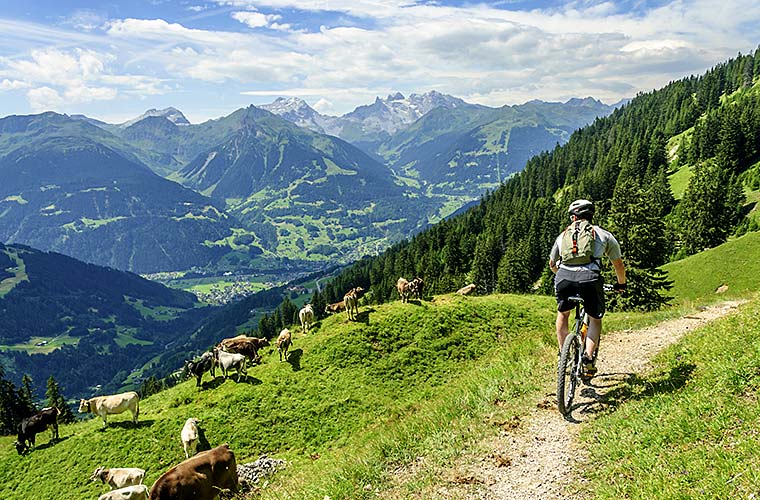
536	461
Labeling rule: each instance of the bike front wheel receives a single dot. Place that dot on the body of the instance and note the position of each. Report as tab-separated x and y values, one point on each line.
567	372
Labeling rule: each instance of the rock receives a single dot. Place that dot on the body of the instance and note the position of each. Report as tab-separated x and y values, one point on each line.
251	473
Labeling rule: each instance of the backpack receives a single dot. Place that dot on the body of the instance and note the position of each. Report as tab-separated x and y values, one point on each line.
577	246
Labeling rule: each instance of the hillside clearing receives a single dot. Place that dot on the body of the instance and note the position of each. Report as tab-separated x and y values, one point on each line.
538	455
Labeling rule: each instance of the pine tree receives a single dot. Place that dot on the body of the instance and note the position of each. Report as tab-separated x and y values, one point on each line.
27	393
55	399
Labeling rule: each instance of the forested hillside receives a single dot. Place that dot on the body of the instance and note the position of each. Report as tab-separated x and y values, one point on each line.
85	324
708	124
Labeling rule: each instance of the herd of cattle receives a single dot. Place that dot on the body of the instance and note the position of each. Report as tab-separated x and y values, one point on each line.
204	475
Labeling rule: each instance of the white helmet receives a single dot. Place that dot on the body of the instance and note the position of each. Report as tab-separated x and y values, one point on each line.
581	207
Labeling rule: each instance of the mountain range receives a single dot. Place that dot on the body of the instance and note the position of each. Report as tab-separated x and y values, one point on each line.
157	193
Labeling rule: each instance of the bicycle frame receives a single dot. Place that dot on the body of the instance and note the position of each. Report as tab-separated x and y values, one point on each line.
570	367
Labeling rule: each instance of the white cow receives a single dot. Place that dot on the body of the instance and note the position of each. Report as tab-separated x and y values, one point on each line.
306	316
139	492
119	477
229	360
189	436
111	405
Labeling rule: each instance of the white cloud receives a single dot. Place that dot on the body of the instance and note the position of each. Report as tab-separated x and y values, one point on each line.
44	99
324	106
255	19
13	84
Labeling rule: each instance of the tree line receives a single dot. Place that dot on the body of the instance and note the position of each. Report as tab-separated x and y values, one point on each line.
709	124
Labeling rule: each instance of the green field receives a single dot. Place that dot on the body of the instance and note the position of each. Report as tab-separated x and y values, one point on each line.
51	344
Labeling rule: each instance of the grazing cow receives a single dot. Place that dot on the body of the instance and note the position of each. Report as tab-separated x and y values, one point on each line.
335	308
283	343
306	317
351	299
119	477
189	436
230	360
247	346
200	477
200	366
137	492
467	290
31	426
416	288
402	286
112	405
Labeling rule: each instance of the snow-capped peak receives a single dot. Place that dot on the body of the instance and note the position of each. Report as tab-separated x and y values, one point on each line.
172	114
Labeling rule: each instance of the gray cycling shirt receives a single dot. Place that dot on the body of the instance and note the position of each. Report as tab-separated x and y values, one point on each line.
604	244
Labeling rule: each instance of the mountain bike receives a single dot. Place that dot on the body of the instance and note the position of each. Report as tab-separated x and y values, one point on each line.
570	369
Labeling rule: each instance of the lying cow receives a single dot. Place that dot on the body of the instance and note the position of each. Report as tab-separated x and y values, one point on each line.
467	290
119	477
138	492
112	405
200	477
200	366
228	360
306	317
189	436
283	343
31	426
335	308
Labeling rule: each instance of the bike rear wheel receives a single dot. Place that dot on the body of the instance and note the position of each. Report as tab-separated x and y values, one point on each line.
567	372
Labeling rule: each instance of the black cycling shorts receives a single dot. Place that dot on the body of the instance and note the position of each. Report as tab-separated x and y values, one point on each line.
592	293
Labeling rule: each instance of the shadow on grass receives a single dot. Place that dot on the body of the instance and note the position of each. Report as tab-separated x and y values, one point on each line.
363	316
294	358
47	445
608	391
203	443
213	383
127	424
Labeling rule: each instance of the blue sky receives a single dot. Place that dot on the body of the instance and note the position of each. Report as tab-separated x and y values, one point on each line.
112	60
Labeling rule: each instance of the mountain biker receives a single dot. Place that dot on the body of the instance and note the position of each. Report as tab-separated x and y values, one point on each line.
584	279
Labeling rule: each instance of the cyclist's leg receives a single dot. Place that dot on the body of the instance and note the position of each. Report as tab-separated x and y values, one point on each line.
562	290
592	335
593	296
563	318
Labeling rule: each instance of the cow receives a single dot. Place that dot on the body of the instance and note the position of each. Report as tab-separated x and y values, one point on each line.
200	366
335	308
306	317
247	346
467	290
112	405
137	492
119	477
228	360
189	436
200	477
402	287
283	343
31	426
416	287
351	299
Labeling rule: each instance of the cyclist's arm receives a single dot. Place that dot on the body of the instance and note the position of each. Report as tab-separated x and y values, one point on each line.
553	266
619	270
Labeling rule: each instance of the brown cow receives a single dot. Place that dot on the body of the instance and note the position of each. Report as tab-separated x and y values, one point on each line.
200	477
112	405
335	308
402	287
351	299
283	343
247	346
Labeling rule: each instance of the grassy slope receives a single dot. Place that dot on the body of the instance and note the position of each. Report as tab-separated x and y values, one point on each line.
734	263
361	395
689	428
